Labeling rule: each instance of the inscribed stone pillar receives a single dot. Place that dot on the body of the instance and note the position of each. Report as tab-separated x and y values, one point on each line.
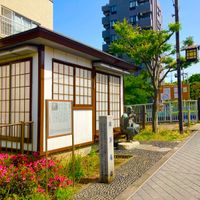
106	149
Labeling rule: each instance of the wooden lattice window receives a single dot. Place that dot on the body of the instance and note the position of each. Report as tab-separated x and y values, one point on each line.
63	81
107	97
15	92
101	96
20	92
114	100
4	93
83	87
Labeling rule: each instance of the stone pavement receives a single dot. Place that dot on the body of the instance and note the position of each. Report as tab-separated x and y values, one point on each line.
125	175
178	178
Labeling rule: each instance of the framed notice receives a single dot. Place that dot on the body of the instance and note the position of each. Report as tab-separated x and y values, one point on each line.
59	118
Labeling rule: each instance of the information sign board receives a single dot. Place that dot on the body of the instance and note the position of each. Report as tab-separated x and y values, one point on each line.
59	117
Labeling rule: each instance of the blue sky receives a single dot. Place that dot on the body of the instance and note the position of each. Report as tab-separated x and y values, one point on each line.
81	20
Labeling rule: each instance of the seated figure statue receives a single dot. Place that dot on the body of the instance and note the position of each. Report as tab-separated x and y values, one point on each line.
128	126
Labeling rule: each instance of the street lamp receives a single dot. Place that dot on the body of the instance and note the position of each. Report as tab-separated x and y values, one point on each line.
178	62
191	53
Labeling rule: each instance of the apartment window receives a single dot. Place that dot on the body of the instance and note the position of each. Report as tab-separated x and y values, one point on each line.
158	12
132	4
83	87
63	81
13	23
141	2
112	22
133	20
144	15
113	9
15	92
113	38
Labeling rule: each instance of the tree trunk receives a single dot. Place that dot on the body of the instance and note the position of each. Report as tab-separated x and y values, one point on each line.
155	112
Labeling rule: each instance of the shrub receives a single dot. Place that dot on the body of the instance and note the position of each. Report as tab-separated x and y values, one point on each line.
22	176
63	193
78	168
38	196
91	162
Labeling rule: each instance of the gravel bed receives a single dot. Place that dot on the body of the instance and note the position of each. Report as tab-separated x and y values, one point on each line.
162	144
125	175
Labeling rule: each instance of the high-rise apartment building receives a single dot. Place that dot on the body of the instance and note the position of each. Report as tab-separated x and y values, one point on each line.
20	15
143	13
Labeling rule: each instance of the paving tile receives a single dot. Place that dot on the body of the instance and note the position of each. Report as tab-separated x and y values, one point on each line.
178	178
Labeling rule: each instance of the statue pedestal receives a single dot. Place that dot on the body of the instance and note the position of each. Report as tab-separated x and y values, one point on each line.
128	145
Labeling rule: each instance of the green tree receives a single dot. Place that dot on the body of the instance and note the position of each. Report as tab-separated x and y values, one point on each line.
137	89
150	48
194	81
195	90
194	78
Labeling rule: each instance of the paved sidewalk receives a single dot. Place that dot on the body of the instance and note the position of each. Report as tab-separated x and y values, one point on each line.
178	178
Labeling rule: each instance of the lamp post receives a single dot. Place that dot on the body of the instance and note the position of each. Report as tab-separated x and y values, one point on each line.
180	114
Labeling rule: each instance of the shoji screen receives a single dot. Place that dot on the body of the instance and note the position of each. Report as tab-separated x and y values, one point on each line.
4	93
101	96
114	100
83	87
15	92
63	81
20	91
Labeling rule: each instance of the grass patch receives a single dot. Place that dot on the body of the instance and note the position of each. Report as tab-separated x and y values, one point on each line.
86	171
162	135
86	166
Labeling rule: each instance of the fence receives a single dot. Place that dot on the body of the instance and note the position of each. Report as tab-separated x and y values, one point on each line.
16	137
168	112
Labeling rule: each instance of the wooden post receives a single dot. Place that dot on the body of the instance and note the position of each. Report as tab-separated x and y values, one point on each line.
170	111
143	117
73	149
22	137
199	109
189	117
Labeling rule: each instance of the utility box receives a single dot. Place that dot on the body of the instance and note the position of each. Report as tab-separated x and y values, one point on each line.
106	149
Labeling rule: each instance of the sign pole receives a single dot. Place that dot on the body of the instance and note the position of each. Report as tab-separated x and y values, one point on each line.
46	148
73	148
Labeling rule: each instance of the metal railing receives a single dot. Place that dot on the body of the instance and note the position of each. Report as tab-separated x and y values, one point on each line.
9	27
168	111
16	137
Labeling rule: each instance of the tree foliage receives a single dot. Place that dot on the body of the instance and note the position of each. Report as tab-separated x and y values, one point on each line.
194	78
195	90
194	81
137	89
150	48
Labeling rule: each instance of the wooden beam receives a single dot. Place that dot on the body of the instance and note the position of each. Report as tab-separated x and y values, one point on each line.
41	57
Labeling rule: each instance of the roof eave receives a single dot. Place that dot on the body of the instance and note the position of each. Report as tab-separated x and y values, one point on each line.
65	41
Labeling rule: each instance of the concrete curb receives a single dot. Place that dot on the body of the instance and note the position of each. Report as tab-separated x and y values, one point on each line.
128	192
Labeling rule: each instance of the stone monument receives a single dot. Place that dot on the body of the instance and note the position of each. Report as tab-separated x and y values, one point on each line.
106	149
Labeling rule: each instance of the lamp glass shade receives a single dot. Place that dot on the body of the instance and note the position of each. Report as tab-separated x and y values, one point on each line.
191	54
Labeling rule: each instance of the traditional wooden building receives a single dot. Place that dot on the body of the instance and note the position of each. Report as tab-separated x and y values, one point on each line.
39	64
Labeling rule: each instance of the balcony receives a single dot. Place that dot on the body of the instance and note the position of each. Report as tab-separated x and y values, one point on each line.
106	10
106	34
106	21
145	7
145	22
105	47
9	27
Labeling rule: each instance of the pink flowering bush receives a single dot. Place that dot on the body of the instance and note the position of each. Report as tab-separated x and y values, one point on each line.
24	175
